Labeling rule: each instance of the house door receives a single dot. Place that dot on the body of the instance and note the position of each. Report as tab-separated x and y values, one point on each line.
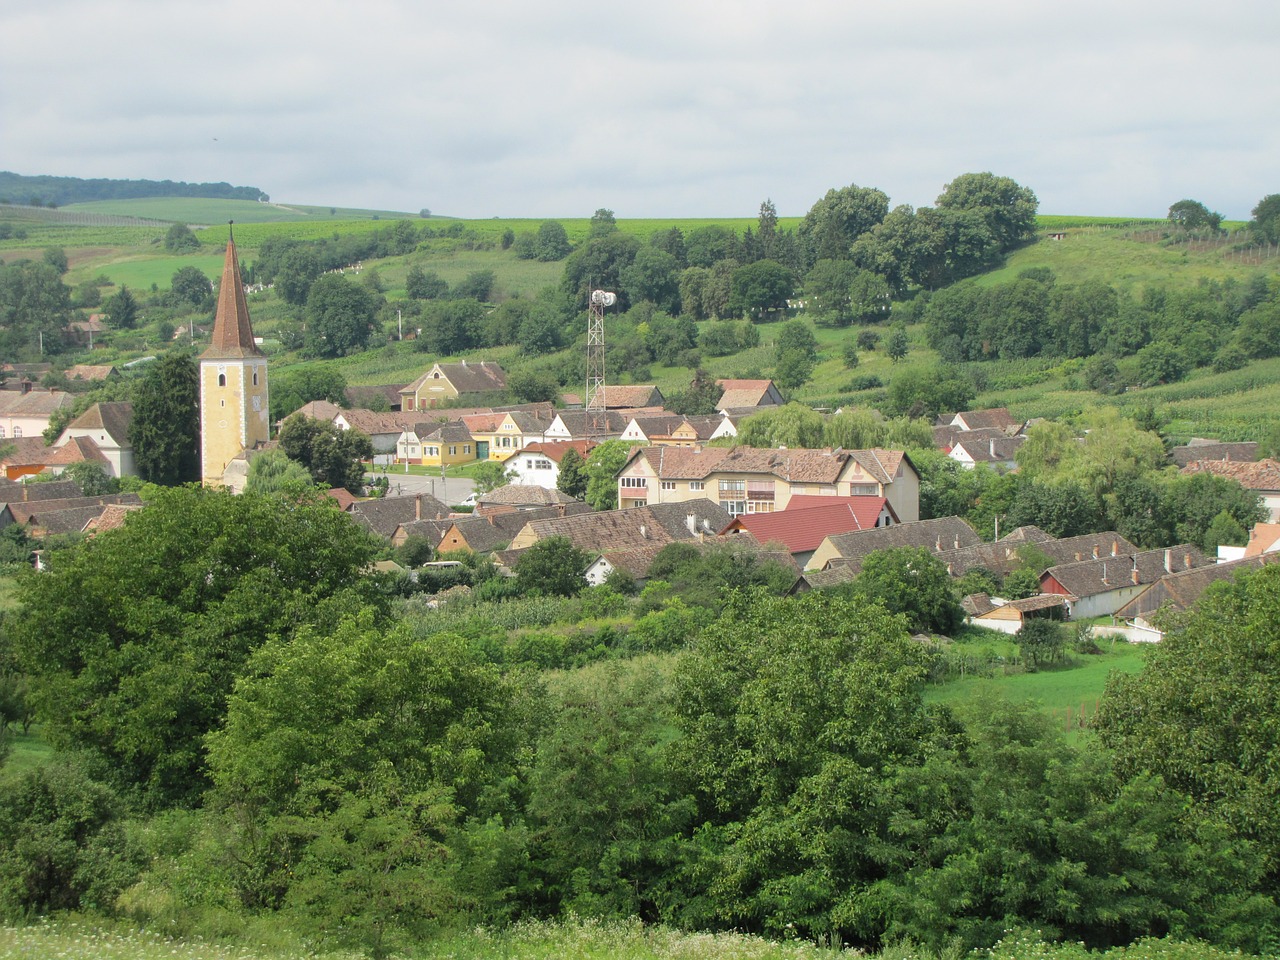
482	449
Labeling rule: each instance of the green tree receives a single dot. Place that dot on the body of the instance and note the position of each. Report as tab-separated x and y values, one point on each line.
653	275
56	257
1041	641
1194	215
1007	209
298	270
296	386
929	391
795	355
272	472
122	309
572	478
340	316
760	288
165	429
334	457
602	467
134	639
424	285
793	426
552	567
552	242
700	399
533	386
490	475
1266	218
912	582
833	223
190	288
791	713
897	345
603	223
1203	716
181	239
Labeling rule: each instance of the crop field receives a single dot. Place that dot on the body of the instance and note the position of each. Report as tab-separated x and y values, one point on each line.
202	210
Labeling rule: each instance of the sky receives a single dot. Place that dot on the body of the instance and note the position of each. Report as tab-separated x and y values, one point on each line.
664	108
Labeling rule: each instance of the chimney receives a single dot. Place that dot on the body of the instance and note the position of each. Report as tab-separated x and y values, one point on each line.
1168	561
1115	548
1186	559
1095	551
957	546
1133	574
417	507
993	448
691	521
1104	573
937	545
1079	558
644	532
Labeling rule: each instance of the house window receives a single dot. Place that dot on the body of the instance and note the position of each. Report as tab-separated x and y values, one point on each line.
668	484
697	485
255	376
542	465
433	451
635	482
453	451
1	433
863	490
759	506
222	379
735	508
733	490
466	448
17	431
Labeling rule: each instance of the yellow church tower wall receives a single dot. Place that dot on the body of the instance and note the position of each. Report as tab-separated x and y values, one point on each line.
234	401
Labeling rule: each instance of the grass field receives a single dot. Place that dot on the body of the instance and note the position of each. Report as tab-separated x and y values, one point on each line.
1066	692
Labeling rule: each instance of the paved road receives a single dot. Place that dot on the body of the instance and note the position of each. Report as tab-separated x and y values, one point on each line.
452	490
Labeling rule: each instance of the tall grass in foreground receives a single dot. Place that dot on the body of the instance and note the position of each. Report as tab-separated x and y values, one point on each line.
71	939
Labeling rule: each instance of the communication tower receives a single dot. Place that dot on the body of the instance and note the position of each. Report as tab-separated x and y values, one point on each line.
595	347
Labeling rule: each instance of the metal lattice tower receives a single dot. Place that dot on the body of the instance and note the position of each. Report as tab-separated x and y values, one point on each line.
595	347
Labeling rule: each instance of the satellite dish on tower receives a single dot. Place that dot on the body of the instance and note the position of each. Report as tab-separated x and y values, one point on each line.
603	298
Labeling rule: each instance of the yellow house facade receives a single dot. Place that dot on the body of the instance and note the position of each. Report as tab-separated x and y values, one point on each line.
434	445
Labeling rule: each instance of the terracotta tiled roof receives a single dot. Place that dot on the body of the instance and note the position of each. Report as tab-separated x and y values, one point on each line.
554	450
474	376
85	371
1089	578
111	418
1179	590
1263	538
743	393
431	530
12	491
25	451
37	403
636	526
372	423
946	533
112	517
65	516
996	417
75	450
344	497
631	396
803	530
517	494
1260	475
232	333
384	515
1183	455
361	397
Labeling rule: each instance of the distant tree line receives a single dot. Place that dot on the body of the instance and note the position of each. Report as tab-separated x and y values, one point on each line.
60	191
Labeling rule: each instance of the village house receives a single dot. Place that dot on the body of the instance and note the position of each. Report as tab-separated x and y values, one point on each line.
384	515
435	444
605	530
1176	592
630	396
1095	588
501	434
747	480
1008	616
26	413
802	527
1244	452
517	496
994	418
635	562
538	464
848	550
997	452
674	430
107	424
449	381
594	425
747	396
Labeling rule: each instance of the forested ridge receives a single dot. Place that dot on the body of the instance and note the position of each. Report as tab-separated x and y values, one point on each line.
248	727
51	191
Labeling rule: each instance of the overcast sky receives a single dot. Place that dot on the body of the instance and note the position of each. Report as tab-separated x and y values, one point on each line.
679	108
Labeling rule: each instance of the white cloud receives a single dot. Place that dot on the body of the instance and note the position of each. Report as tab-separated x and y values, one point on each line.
703	107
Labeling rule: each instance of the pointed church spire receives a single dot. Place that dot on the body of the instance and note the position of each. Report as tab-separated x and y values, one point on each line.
232	334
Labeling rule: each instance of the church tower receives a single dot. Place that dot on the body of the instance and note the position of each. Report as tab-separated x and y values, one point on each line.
233	381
